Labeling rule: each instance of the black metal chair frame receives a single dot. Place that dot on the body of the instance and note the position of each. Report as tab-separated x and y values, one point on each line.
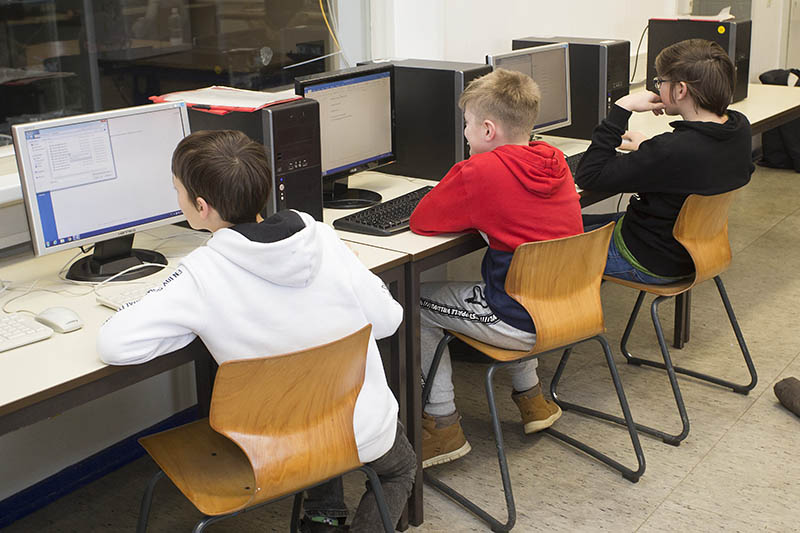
672	370
626	472
375	482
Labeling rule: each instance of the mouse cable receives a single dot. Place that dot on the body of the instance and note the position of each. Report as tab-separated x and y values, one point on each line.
129	269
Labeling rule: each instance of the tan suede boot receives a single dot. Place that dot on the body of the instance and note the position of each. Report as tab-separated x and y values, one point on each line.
537	412
443	439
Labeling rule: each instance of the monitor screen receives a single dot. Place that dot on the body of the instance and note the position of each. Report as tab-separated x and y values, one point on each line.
356	118
91	178
548	65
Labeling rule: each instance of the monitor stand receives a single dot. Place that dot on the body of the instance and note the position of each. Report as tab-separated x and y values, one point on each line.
112	257
337	195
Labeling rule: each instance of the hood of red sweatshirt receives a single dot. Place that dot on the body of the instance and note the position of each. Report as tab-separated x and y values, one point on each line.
539	167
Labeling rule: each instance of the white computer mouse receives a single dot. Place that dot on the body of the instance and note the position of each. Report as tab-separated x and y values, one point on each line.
60	319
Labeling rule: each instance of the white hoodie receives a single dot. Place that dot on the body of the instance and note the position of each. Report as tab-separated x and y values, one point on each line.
283	285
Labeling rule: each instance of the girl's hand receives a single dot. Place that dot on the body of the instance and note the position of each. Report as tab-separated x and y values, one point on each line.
631	140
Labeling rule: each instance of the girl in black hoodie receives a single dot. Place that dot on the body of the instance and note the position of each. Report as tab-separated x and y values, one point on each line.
708	152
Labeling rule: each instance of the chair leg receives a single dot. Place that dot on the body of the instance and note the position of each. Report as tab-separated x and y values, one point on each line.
623	344
208	520
147	499
437	357
377	490
626	472
495	525
296	508
667	365
741	389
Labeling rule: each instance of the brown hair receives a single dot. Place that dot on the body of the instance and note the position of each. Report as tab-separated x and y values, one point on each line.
227	169
706	69
511	98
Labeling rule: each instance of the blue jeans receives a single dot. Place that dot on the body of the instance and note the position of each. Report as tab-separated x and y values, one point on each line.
616	265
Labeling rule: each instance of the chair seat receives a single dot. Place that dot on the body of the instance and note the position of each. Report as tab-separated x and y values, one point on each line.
498	354
670	289
210	470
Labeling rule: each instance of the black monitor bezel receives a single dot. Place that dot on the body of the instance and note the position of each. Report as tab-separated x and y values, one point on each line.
303	82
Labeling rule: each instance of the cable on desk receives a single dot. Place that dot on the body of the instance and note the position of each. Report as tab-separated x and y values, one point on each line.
129	269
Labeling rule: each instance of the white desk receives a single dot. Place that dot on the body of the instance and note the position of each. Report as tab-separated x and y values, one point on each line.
42	379
766	107
47	377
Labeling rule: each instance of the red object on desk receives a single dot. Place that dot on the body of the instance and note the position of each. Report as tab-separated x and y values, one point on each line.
217	109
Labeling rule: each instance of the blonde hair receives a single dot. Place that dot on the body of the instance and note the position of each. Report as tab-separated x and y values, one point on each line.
510	98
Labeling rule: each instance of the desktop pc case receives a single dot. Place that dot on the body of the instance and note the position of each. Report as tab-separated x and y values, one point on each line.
599	71
732	35
429	126
290	134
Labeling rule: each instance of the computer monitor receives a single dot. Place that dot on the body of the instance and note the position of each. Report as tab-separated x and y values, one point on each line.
548	65
356	108
98	178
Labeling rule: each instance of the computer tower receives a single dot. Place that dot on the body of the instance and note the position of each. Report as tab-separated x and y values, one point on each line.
290	135
429	126
599	71
732	35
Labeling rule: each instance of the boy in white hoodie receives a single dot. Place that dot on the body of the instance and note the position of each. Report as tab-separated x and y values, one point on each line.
253	290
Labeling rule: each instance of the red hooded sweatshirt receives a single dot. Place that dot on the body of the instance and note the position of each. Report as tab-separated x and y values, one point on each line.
513	195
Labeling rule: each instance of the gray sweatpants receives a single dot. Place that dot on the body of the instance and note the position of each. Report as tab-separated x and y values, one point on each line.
461	307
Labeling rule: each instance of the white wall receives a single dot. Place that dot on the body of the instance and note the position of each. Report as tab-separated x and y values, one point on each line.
770	30
466	30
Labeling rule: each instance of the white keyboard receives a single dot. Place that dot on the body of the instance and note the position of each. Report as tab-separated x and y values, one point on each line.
19	329
116	296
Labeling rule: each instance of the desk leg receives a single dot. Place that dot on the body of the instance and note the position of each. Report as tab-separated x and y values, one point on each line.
205	369
683	315
414	386
395	346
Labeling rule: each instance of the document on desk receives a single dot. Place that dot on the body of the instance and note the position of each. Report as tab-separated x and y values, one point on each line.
225	98
724	14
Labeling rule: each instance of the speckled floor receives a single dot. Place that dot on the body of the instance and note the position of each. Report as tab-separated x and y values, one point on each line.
739	469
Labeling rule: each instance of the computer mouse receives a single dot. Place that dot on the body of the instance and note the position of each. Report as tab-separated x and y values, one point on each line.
60	319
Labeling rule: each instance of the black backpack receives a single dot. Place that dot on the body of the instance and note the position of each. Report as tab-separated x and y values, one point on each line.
781	145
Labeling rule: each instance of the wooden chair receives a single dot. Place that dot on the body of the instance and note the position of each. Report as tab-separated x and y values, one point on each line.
277	425
558	283
702	228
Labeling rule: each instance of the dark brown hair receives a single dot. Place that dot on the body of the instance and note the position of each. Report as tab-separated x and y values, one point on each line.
706	69
227	169
512	98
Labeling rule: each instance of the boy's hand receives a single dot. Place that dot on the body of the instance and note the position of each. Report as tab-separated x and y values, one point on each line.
631	140
642	101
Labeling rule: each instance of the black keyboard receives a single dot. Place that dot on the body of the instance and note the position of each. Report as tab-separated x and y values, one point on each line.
573	161
386	218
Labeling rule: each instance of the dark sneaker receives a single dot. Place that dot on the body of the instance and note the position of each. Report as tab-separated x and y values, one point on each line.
320	525
788	392
443	439
537	412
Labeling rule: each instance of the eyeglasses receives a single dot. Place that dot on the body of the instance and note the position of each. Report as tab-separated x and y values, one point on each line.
657	83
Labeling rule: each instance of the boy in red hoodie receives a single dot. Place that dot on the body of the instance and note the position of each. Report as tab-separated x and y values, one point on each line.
511	191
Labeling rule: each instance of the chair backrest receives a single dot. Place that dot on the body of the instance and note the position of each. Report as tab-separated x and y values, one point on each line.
558	283
292	415
702	228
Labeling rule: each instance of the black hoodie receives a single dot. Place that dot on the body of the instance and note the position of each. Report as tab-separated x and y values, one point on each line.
696	158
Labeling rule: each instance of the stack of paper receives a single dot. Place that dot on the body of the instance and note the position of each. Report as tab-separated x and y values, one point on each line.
217	99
